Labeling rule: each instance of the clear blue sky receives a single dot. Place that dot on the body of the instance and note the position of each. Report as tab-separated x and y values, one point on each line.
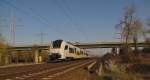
71	20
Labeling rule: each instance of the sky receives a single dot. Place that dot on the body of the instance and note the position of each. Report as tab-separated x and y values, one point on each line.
71	20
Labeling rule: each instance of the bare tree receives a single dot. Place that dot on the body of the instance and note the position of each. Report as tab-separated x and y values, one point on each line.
130	27
137	29
126	25
147	31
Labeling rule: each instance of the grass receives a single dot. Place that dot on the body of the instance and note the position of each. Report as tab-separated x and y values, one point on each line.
116	71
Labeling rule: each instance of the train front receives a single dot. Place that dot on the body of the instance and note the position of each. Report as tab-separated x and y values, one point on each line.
55	50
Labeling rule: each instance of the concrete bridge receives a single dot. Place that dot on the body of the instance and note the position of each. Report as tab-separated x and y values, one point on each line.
80	45
36	49
108	45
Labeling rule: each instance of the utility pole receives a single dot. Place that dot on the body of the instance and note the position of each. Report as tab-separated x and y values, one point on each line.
11	28
41	35
0	25
0	29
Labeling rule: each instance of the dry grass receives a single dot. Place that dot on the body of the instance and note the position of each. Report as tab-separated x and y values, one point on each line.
117	72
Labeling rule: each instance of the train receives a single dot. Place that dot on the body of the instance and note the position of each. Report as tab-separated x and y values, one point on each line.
62	50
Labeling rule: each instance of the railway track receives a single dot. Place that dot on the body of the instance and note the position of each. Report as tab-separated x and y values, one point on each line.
41	71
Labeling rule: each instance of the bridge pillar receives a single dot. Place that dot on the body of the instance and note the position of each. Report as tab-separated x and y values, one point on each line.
115	50
4	59
36	54
1	59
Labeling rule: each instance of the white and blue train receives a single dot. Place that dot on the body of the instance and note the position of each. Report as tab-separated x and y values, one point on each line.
61	50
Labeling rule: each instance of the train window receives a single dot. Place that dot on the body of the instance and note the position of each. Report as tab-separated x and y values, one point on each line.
86	54
57	43
74	50
70	50
81	52
78	53
66	47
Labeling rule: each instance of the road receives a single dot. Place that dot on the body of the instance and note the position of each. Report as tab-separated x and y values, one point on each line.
48	71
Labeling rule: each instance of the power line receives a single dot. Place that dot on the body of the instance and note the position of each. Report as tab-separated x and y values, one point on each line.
42	20
67	11
35	16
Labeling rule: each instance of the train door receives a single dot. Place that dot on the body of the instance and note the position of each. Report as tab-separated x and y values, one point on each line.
66	50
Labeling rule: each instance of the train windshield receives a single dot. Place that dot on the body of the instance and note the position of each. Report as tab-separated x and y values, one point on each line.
57	43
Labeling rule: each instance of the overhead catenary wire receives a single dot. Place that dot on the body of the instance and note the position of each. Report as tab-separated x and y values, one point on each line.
44	21
35	16
67	11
